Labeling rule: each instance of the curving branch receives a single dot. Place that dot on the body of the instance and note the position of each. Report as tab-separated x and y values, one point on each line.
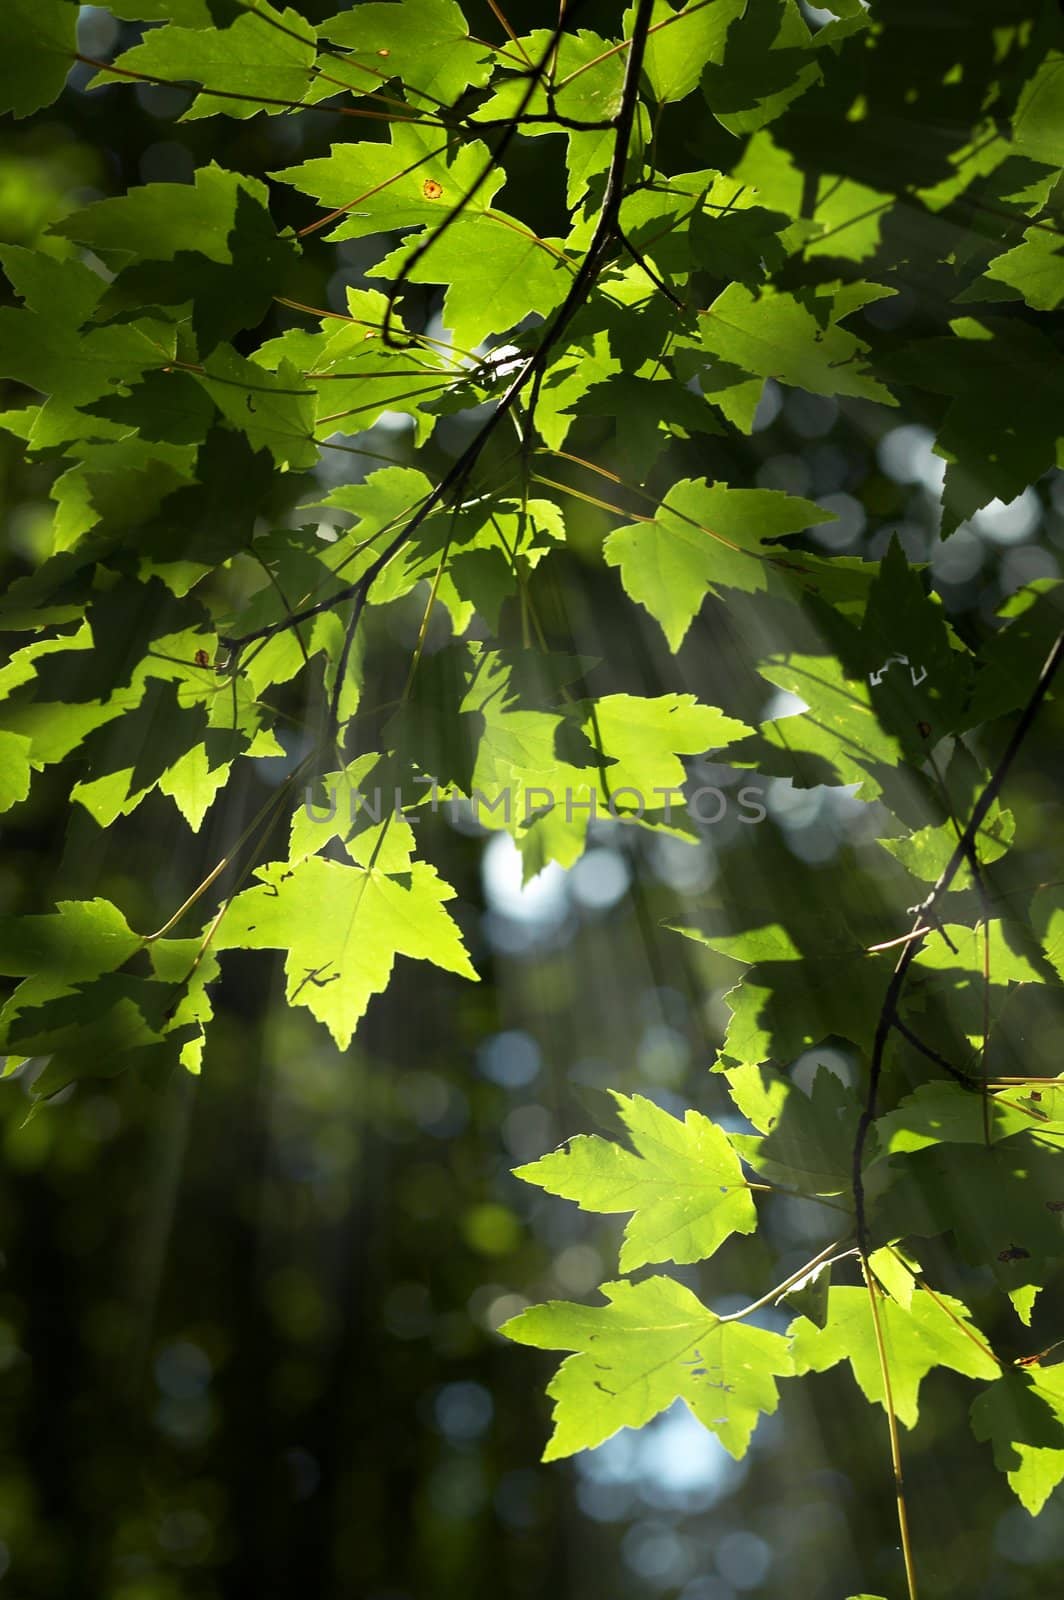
607	232
925	915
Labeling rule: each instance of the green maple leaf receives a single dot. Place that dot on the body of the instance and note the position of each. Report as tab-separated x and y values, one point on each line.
945	1113
758	63
584	362
1001	1204
1022	1417
772	943
53	286
209	247
1047	915
79	940
431	731
1001	430
496	271
40	38
926	852
1007	965
1037	119
809	1295
293	563
185	964
258	63
703	538
517	762
683	1182
160	221
491	557
426	43
357	376
653	1343
917	675
67	961
129	690
343	805
1034	268
381	188
274	411
201	524
113	1024
779	1011
15	751
738	240
130	755
808	1142
113	488
335	964
784	1004
50	729
47	353
839	732
476	556
180	736
578	762
932	1331
588	78
795	339
381	505
648	412
164	407
829	214
1011	659
680	44
642	738
659	220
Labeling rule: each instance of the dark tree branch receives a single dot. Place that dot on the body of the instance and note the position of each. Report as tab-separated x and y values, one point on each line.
513	127
641	261
556	119
933	1055
925	914
530	372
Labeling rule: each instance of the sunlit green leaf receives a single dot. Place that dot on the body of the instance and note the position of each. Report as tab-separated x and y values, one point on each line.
654	1342
704	537
935	1331
683	1182
795	339
335	966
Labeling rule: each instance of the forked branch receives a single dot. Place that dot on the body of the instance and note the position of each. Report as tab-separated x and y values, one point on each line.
925	918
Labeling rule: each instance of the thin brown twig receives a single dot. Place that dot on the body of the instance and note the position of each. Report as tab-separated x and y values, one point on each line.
191	87
892	1426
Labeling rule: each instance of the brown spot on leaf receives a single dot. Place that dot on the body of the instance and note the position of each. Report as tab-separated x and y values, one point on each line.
1015	1252
202	658
431	189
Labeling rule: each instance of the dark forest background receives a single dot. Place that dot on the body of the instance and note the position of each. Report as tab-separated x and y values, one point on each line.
247	1321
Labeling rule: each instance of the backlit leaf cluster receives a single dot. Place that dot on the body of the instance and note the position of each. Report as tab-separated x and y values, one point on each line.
218	534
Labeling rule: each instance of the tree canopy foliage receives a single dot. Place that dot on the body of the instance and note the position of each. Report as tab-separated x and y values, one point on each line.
229	545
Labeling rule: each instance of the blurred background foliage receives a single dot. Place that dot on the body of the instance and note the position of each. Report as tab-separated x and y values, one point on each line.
247	1321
